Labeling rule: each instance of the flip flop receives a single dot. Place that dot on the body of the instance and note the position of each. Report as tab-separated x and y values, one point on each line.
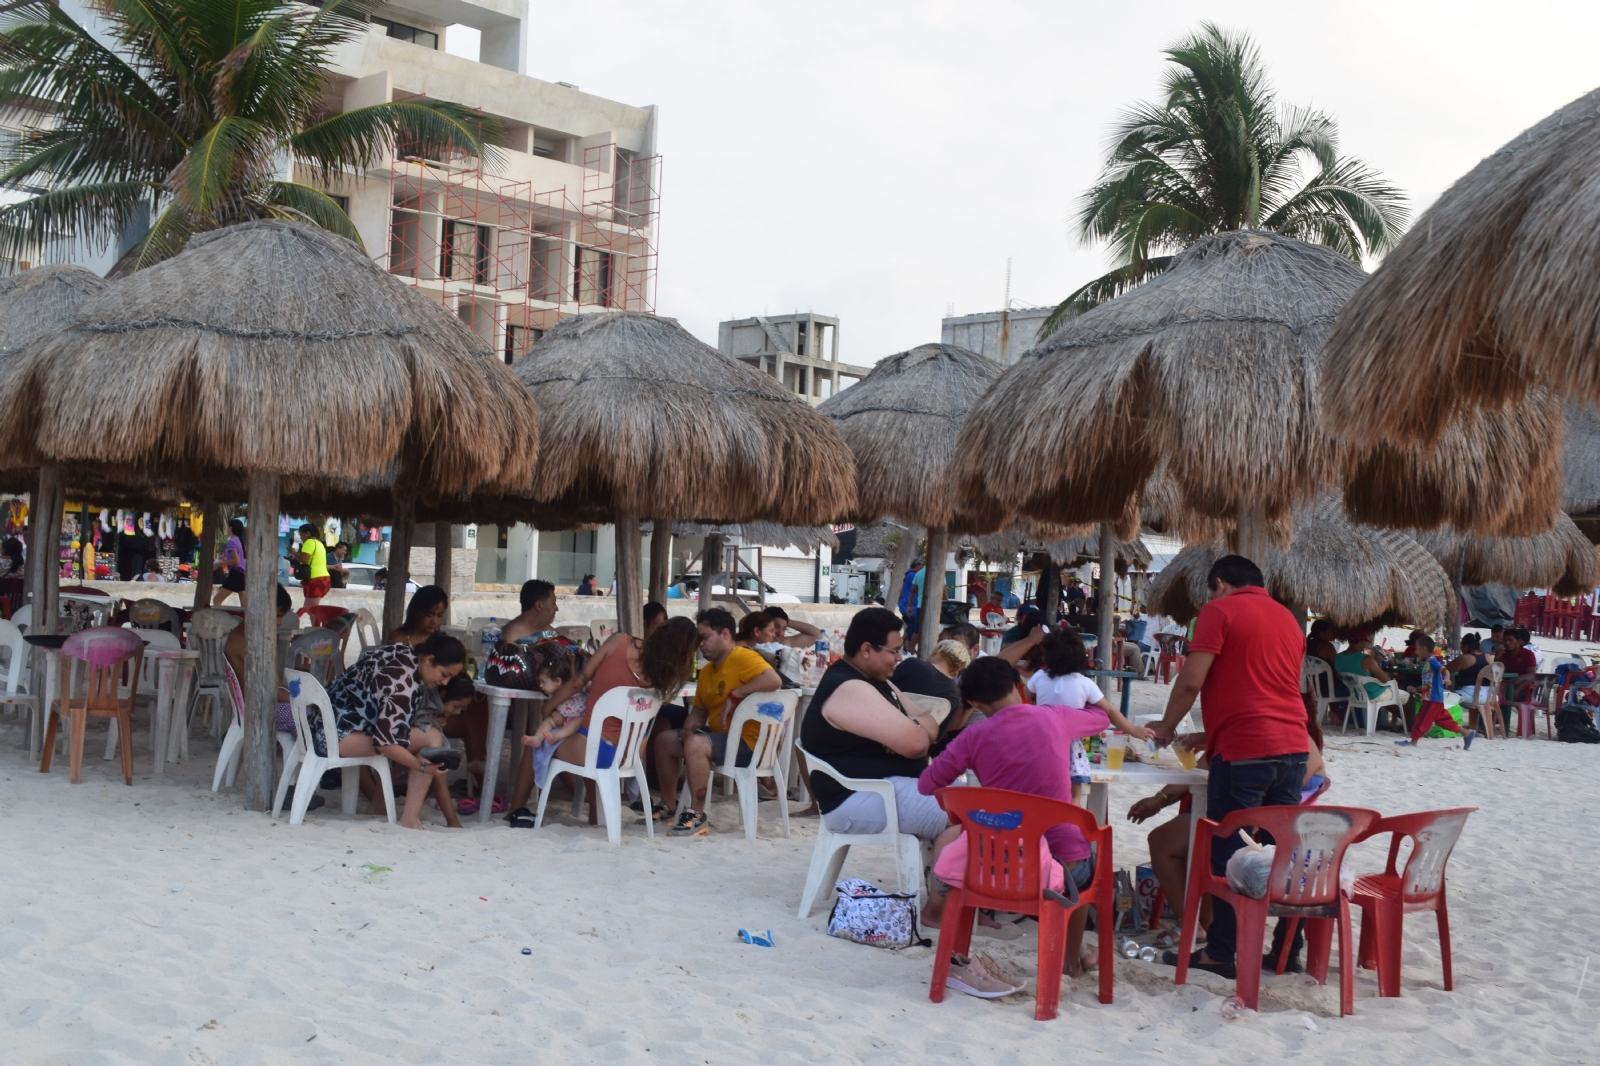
449	758
755	939
522	818
466	805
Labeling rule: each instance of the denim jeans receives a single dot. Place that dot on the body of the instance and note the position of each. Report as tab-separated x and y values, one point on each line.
1237	786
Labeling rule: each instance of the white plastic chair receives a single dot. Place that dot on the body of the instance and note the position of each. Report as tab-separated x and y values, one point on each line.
582	636
1369	705
773	712
12	689
305	692
603	628
316	651
208	632
22	617
368	631
233	741
1317	678
145	688
827	858
636	710
153	614
288	623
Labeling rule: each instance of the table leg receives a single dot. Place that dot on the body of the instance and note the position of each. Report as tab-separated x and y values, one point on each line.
161	720
1197	811
499	706
178	717
1127	696
1098	801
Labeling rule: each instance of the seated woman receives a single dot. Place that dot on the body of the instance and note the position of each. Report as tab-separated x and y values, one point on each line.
1320	645
662	662
373	701
754	628
1023	747
1464	668
427	611
1360	657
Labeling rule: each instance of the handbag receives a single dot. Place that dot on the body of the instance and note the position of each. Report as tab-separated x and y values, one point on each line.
866	915
510	665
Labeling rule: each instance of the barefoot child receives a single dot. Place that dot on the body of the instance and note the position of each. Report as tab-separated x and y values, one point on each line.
427	740
553	668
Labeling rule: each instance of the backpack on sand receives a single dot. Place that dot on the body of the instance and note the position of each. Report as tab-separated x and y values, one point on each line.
867	915
1574	726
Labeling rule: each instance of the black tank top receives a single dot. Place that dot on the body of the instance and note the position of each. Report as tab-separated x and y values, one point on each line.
851	755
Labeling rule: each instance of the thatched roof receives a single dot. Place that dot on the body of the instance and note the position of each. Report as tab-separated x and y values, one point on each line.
1489	472
903	422
1348	573
640	417
1212	366
268	345
34	304
766	534
1580	460
1562	560
1065	548
1493	291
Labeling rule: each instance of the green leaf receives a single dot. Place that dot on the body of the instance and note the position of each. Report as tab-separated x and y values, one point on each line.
314	206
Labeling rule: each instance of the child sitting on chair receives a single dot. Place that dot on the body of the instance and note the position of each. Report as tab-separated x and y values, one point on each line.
427	741
552	668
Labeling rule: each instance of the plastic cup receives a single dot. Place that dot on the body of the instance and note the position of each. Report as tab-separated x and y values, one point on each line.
1185	756
1116	746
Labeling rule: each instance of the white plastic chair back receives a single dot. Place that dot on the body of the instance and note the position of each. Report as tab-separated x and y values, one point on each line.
289	622
1316	677
367	629
307	697
582	636
317	652
603	628
635	710
827	857
773	713
153	614
13	658
1485	691
22	617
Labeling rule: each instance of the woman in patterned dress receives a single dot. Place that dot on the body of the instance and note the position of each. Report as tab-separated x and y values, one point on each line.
373	702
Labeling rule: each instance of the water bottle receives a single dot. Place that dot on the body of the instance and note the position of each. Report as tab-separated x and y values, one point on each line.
491	637
1233	1007
824	653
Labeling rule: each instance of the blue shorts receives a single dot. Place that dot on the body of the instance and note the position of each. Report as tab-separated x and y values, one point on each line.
1079	780
608	752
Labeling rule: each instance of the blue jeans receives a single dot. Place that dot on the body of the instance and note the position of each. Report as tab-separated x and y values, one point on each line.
1237	786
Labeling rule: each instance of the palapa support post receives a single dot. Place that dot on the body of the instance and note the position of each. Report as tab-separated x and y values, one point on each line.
1109	659
1252	534
710	569
1049	593
40	553
210	518
897	574
629	609
394	590
660	559
441	557
932	591
261	673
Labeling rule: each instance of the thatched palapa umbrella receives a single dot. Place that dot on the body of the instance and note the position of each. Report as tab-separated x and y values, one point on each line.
641	420
1348	573
33	305
1490	297
903	423
265	353
1562	560
1211	369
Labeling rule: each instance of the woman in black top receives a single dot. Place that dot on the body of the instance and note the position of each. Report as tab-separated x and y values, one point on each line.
857	725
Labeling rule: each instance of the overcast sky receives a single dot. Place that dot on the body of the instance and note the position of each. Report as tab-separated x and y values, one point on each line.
879	161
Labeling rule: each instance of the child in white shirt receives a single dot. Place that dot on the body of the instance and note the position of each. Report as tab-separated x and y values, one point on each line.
1062	682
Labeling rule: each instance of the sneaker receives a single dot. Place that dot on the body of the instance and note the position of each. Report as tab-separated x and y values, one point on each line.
691	823
966	975
992	967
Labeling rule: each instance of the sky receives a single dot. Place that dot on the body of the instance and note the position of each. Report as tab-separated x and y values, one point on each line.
881	161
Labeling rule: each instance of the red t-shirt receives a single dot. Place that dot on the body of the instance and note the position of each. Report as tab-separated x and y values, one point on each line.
1250	701
1522	661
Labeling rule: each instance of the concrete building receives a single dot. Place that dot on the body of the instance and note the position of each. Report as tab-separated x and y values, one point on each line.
800	350
1001	335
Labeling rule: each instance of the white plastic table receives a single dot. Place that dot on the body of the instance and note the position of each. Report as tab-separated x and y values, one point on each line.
1149	777
169	729
499	709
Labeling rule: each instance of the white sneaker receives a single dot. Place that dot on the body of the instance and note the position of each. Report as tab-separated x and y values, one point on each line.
969	977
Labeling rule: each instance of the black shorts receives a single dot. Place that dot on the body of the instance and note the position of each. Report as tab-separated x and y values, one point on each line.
675	714
234	582
719	751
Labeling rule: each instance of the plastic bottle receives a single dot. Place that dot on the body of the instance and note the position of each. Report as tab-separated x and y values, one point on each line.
1232	1008
824	653
491	637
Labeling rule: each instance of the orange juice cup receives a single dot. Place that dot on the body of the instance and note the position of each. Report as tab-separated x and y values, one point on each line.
1116	747
1186	756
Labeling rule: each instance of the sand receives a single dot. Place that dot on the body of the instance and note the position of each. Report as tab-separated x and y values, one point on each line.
161	923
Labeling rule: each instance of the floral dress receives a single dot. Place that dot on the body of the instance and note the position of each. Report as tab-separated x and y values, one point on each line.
374	696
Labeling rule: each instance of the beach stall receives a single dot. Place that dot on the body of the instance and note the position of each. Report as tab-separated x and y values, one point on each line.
903	424
641	420
264	355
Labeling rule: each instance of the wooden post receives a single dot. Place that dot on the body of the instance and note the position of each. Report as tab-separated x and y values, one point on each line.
394	593
441	557
710	568
932	591
1109	659
630	617
44	541
210	518
897	574
261	674
660	559
1251	537
1455	612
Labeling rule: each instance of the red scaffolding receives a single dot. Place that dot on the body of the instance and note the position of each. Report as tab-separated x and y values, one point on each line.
513	260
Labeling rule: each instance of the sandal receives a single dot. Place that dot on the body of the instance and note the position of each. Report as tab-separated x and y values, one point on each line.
466	805
691	823
449	758
522	818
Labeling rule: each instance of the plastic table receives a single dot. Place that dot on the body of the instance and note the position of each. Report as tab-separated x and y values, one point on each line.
500	700
1148	777
169	732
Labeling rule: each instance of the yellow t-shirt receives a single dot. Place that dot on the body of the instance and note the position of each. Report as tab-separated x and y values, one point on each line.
714	683
318	561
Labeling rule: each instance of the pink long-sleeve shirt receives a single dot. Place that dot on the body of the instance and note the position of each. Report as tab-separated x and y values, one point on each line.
1025	748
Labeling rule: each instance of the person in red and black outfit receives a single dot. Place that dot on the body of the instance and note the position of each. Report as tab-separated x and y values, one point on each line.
1244	664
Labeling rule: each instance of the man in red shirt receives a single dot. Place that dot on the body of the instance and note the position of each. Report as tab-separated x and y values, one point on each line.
1520	660
1244	664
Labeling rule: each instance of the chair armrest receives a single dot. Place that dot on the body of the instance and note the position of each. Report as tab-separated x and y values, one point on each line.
875	785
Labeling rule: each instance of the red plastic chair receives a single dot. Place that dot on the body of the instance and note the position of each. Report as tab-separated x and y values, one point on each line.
1311	842
1003	830
1170	661
1385	899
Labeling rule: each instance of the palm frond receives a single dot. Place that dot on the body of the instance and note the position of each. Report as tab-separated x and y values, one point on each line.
314	206
1106	287
356	139
91	212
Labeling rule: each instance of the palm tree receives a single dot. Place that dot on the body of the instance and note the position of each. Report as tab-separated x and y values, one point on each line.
193	119
1218	154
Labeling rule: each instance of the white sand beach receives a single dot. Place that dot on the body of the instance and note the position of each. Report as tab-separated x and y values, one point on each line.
161	923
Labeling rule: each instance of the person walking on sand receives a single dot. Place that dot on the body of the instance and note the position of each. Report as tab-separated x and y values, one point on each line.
1244	665
233	564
